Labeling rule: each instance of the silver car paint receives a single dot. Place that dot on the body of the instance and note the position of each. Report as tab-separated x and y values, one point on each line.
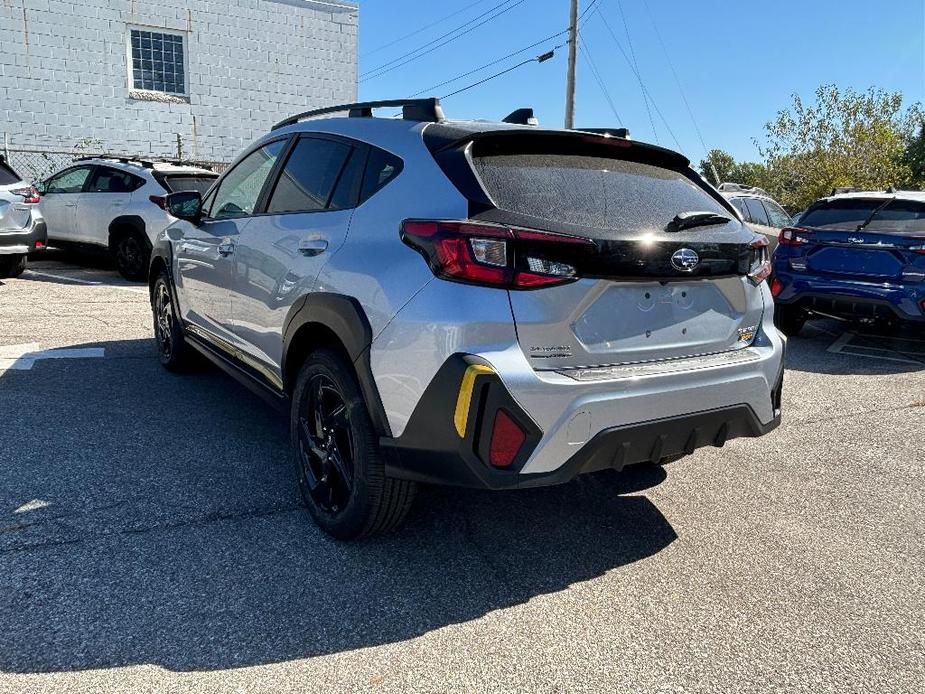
16	218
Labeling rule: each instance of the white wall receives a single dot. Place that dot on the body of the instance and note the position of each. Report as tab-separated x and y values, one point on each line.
64	74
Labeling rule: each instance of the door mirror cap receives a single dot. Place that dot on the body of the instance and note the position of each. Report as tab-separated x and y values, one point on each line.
186	204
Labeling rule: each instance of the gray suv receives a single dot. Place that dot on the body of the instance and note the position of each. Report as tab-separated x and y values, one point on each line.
487	304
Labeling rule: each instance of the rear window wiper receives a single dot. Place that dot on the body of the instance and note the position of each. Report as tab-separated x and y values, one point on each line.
687	220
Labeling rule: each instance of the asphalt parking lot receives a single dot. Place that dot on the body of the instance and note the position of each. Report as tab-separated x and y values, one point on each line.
151	538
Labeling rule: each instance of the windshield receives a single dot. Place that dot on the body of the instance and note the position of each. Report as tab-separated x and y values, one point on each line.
897	216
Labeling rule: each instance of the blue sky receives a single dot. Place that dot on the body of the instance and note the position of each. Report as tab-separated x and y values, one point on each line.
737	62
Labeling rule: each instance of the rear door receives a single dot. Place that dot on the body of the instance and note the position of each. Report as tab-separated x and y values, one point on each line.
106	197
282	250
649	292
869	239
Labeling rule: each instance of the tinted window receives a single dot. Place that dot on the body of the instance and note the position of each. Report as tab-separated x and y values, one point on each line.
200	184
776	214
381	167
900	216
70	181
848	213
739	204
240	189
109	180
596	192
7	175
308	178
756	213
348	187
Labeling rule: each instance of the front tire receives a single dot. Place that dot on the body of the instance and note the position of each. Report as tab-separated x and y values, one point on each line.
789	319
172	349
12	266
132	256
336	454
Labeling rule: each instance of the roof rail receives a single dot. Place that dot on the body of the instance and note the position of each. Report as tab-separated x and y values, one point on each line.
427	110
147	163
612	132
740	188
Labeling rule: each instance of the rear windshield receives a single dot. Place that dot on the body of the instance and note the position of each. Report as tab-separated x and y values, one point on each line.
200	184
7	175
847	215
595	192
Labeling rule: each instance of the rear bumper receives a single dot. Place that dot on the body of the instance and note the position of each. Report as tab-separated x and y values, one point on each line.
23	242
852	299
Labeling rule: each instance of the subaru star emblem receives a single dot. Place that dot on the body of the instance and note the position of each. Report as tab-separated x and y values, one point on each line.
685	260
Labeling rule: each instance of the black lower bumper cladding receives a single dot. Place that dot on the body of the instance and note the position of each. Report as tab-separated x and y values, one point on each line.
431	451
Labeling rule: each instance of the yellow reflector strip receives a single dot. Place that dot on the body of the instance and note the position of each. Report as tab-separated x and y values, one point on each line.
464	400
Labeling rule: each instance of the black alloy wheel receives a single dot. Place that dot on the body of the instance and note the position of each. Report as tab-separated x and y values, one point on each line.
132	257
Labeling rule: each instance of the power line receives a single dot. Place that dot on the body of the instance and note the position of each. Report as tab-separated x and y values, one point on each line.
433	45
635	66
639	77
538	59
487	65
677	80
422	29
587	10
586	52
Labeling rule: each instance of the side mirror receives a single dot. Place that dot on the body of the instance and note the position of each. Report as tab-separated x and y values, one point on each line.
186	205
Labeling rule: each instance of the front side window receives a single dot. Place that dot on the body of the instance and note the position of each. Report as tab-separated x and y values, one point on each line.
240	190
109	180
70	181
157	62
308	179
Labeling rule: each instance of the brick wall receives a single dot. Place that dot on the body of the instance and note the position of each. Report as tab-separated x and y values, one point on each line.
64	71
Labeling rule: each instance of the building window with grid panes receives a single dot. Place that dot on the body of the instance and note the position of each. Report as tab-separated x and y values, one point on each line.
158	62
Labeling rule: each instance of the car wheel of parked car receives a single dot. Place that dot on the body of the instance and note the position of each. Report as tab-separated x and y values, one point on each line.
336	453
789	319
12	266
132	256
171	347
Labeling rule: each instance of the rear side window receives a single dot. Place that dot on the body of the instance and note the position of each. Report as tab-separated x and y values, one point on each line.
847	214
177	184
308	179
108	180
595	192
779	218
756	213
381	167
7	175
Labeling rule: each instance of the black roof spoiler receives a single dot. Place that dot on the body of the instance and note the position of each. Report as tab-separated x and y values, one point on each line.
425	110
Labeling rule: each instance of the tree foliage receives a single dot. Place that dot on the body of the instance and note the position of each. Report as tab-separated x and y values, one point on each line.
914	155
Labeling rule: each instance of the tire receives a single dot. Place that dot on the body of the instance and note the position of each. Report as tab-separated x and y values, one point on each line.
175	355
336	454
132	255
789	319
12	266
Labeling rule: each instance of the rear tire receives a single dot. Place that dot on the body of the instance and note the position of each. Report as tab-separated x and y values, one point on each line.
132	256
175	355
12	266
789	319
336	454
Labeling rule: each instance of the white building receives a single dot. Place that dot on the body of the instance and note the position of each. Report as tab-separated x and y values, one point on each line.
135	77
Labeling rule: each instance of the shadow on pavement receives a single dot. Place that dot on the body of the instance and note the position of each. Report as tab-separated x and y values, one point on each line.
151	518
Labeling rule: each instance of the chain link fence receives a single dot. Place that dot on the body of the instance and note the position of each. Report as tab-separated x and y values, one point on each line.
36	164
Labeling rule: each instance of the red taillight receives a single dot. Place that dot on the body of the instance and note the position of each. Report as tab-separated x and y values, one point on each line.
506	439
794	236
30	195
918	249
776	287
493	255
761	265
159	200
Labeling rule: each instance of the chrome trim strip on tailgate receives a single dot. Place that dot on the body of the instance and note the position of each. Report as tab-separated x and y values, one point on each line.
652	368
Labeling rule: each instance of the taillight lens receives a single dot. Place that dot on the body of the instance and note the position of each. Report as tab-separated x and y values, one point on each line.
492	255
761	265
918	249
159	200
30	195
794	236
506	440
776	287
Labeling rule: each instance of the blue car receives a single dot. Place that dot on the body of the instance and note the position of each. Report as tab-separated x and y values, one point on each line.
855	256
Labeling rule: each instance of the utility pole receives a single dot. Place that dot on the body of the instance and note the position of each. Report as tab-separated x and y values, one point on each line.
572	55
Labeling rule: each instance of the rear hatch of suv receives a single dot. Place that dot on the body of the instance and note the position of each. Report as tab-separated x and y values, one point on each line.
876	239
641	286
14	214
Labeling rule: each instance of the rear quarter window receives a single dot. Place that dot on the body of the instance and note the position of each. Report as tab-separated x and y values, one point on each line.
594	192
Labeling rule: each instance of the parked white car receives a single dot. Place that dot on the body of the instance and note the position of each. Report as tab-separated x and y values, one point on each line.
759	210
116	204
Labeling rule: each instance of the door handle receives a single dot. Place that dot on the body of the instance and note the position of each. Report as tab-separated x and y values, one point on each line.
70	204
225	249
312	247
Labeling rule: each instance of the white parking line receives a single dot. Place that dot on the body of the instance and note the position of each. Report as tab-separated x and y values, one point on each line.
843	345
95	283
23	357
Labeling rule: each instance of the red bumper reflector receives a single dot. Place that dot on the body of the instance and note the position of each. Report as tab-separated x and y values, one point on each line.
506	440
776	287
39	244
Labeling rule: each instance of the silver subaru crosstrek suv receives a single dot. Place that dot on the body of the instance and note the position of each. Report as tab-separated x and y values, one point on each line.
487	304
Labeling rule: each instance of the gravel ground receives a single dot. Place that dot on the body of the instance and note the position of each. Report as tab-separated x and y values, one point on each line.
151	538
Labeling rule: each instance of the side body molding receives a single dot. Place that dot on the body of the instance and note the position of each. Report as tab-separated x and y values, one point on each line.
345	318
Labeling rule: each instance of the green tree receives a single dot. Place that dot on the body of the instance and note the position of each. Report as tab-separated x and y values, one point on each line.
845	138
914	156
717	163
